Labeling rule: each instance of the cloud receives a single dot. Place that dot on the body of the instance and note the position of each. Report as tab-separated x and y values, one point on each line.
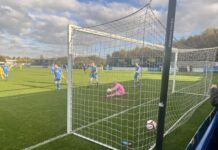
195	16
192	17
100	14
39	26
44	23
11	19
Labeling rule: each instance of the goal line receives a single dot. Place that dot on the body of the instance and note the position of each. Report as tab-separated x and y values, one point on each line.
114	115
134	107
46	141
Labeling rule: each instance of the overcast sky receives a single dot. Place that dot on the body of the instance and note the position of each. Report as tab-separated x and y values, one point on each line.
35	27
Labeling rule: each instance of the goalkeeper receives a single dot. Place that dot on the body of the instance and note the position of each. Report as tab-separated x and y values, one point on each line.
116	90
58	75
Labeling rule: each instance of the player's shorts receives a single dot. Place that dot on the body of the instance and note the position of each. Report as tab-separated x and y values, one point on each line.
93	75
136	75
57	81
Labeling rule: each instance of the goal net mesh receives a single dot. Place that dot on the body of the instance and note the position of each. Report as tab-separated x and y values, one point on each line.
115	49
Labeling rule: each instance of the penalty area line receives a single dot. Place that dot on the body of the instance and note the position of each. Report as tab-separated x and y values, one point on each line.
47	141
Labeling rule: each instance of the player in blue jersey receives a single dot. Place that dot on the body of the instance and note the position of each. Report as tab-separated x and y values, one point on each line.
137	73
93	74
84	68
65	67
58	75
5	69
52	68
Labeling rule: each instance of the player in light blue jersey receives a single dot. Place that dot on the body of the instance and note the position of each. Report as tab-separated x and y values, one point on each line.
58	75
5	69
93	74
52	68
84	67
137	73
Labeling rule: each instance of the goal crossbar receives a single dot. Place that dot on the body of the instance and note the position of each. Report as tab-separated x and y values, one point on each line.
139	42
118	37
112	36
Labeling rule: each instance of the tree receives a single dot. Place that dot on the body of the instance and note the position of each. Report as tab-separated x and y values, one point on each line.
2	59
209	38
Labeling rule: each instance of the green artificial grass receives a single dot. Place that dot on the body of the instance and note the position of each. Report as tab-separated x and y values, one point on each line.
180	138
31	110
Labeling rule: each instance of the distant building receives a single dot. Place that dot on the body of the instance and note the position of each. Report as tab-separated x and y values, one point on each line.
11	61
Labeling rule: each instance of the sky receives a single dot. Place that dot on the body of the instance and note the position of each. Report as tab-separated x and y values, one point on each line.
35	27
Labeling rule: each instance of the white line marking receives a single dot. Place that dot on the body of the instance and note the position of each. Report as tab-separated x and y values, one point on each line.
46	141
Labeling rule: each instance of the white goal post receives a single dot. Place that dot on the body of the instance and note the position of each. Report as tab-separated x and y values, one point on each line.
72	28
129	51
155	47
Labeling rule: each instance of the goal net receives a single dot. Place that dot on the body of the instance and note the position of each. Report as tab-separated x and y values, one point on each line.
190	81
129	53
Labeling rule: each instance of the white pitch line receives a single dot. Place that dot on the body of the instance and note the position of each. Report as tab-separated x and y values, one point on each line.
46	141
168	131
171	128
94	141
114	115
193	94
188	87
124	111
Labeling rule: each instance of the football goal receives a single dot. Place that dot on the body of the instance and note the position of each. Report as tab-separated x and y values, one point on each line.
114	81
128	54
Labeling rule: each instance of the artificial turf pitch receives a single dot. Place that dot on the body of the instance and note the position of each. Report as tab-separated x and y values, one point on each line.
31	110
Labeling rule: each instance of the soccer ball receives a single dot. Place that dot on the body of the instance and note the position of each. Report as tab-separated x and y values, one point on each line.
151	124
109	90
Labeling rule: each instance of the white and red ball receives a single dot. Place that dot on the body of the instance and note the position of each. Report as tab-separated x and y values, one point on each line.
151	125
109	90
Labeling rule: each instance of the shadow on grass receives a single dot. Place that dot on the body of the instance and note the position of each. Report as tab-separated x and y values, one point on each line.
36	86
180	138
47	83
33	118
29	119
